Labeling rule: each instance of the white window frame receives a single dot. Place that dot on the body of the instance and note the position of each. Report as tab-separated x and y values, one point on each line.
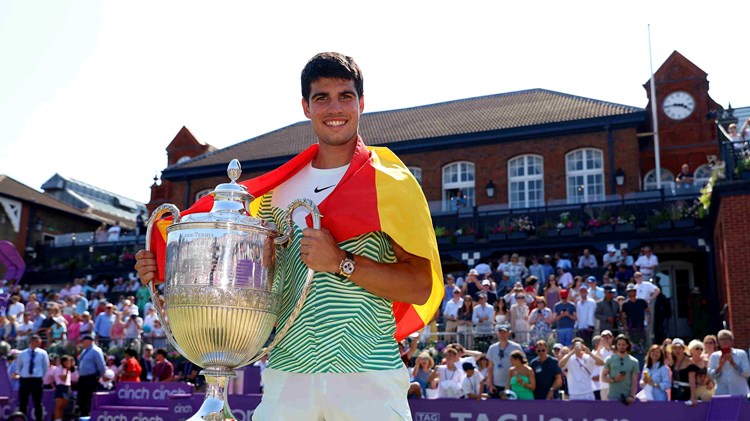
417	173
701	181
527	162
464	179
585	172
667	179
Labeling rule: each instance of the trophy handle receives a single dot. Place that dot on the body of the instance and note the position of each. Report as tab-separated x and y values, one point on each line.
284	240
158	213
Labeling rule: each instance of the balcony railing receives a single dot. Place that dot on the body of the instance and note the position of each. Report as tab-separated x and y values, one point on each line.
647	211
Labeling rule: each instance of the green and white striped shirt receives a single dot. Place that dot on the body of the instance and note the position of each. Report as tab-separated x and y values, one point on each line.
341	328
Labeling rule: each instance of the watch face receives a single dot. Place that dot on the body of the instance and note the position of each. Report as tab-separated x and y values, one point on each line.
347	267
678	105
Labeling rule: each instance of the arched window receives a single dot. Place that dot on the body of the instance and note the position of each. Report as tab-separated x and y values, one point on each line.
417	173
701	175
667	179
202	193
458	186
584	170
526	181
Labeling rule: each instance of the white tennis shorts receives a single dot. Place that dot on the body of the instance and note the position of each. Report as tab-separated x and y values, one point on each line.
368	396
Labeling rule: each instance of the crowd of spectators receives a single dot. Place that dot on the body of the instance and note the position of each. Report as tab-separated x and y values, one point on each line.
594	328
91	337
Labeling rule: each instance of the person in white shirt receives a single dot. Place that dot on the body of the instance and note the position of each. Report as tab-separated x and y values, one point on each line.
646	262
729	367
449	376
587	261
581	366
585	309
564	277
472	383
603	351
645	290
76	289
611	256
450	314
113	233
16	307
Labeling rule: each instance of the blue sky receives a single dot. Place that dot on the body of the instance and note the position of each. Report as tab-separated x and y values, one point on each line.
96	90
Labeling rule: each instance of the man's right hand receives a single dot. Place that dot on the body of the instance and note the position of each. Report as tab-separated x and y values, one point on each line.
145	265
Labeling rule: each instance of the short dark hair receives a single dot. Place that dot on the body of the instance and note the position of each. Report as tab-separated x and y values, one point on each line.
334	66
162	352
131	352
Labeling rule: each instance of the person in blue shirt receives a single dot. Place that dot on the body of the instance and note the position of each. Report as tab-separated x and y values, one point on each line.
82	304
565	315
31	367
656	374
103	324
90	369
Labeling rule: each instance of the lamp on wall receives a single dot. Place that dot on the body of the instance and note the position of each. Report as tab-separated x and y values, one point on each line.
620	177
490	188
39	225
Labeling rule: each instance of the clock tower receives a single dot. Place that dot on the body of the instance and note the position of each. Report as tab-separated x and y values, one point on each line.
687	133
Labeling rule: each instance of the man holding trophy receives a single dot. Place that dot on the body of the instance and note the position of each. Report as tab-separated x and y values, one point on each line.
377	269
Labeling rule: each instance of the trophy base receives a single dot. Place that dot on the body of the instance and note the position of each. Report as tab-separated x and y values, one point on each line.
215	406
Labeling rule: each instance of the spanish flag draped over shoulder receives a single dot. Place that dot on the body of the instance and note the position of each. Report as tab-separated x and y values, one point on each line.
377	193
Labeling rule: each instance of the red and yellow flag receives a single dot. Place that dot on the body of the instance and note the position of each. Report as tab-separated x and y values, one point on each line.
372	196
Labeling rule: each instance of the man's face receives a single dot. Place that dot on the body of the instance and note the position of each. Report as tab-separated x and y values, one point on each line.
503	335
586	252
334	109
631	295
584	293
725	341
541	350
622	346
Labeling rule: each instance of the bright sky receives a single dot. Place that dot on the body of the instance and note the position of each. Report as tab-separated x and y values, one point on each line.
96	90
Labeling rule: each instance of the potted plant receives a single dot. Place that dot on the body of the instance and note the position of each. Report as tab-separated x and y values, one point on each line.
520	228
466	235
625	222
497	232
443	235
568	225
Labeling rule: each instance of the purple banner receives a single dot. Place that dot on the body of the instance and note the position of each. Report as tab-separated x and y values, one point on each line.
180	407
48	406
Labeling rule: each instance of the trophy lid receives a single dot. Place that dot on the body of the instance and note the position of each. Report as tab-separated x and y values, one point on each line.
232	197
231	204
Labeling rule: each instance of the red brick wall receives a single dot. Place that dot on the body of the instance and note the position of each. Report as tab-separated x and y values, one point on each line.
732	240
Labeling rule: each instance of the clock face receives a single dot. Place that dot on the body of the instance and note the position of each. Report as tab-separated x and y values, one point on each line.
678	105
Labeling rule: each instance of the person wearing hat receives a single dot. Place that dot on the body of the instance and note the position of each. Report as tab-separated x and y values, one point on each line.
472	383
683	373
595	291
499	354
635	312
607	310
611	256
603	349
90	368
565	316
450	310
486	290
473	285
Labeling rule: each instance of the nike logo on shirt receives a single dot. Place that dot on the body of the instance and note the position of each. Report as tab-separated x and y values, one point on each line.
318	190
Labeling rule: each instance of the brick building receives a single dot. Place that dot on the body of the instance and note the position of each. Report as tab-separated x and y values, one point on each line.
485	162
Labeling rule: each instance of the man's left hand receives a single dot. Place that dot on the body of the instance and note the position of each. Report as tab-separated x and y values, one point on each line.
319	251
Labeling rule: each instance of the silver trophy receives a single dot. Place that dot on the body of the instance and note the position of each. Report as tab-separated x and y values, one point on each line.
221	301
